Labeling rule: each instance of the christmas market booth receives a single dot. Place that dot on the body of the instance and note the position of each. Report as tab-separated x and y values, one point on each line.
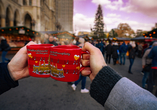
61	36
151	34
144	39
118	39
18	35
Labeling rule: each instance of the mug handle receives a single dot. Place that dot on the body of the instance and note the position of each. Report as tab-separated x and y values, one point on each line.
83	52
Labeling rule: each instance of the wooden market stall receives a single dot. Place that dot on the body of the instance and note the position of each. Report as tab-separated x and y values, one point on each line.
144	39
60	35
17	36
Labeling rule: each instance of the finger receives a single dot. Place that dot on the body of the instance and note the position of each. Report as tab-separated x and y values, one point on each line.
86	56
89	47
85	62
86	71
91	77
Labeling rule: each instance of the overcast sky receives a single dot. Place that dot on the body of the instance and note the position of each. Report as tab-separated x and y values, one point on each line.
139	14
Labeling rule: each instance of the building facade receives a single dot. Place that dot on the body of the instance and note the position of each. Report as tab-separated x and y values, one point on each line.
39	15
64	14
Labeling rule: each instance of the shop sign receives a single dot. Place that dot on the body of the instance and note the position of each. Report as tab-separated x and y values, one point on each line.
21	31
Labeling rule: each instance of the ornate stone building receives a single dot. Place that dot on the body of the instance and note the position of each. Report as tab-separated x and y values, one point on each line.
39	15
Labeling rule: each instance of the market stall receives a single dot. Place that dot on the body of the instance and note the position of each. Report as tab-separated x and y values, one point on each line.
144	39
18	35
60	35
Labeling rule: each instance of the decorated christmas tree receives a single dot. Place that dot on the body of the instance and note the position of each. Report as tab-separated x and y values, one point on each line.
98	29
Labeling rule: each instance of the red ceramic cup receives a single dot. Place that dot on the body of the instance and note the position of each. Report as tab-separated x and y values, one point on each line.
65	62
39	60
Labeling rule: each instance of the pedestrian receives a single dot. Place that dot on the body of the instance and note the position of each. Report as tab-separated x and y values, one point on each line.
52	41
123	50
101	46
146	66
46	38
132	55
5	48
108	88
77	41
140	48
108	52
83	78
153	74
115	52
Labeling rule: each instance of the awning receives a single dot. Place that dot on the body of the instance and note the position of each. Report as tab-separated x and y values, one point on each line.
60	34
18	30
142	38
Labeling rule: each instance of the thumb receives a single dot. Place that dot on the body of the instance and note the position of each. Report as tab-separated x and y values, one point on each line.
24	49
89	47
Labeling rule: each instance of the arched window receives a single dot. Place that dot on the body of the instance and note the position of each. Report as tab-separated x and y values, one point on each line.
30	2
28	21
24	2
7	21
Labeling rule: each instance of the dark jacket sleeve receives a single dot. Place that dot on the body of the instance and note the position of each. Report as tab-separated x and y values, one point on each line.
6	82
151	54
103	84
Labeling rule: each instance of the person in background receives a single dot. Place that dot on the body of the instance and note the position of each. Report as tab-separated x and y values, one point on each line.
4	48
104	51
153	74
108	52
115	52
118	61
108	88
140	48
146	65
123	50
101	46
46	38
77	41
132	54
51	40
83	78
97	43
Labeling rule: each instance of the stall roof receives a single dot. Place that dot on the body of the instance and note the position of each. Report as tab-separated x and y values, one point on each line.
58	33
122	38
18	30
142	38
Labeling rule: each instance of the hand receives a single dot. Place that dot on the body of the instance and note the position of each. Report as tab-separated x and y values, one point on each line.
95	60
18	66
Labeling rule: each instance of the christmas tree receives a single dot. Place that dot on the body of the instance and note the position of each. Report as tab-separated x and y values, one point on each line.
98	30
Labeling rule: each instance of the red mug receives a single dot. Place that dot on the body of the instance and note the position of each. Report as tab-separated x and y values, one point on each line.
65	62
38	60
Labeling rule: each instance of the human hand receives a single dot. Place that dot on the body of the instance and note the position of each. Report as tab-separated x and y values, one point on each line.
18	66
95	60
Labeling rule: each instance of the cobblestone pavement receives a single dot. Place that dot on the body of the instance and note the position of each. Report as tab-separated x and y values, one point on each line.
48	94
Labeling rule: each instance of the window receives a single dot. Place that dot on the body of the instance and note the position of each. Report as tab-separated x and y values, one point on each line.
24	2
30	2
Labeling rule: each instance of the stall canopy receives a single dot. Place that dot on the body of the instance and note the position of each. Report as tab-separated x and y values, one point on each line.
142	38
18	30
118	39
60	34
